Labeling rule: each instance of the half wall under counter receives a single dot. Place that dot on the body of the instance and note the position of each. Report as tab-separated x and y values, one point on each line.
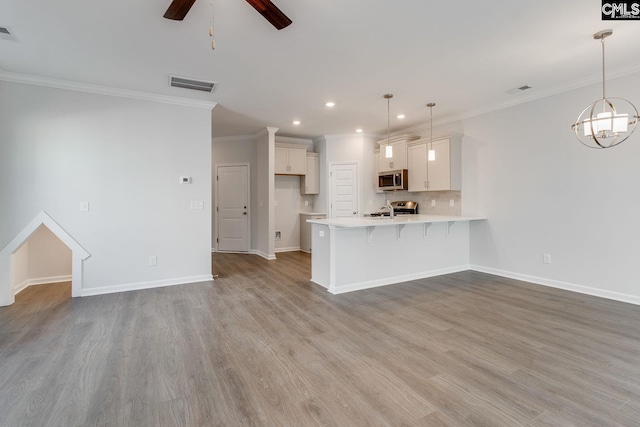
351	254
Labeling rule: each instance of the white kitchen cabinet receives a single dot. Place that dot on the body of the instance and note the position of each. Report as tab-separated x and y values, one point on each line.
398	156
398	159
310	181
290	160
305	229
417	165
443	173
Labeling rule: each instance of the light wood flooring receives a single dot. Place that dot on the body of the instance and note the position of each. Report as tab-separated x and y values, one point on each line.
263	346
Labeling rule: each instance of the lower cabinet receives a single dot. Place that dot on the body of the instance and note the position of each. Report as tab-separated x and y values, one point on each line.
305	229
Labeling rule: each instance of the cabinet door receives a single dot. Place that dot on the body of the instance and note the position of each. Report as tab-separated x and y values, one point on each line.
281	161
439	169
310	183
400	155
417	167
297	161
384	163
398	159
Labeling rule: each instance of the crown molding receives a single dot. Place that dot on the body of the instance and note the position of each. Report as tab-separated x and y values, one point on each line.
234	138
103	90
544	93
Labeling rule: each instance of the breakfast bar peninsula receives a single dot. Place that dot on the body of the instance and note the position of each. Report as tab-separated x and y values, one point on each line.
350	254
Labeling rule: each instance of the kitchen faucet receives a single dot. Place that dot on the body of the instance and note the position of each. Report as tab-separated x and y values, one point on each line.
390	209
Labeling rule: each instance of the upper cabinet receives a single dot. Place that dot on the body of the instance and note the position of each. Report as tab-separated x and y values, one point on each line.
436	167
310	182
290	160
393	153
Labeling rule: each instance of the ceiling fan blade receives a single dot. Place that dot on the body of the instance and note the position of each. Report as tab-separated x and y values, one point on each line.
178	9
271	13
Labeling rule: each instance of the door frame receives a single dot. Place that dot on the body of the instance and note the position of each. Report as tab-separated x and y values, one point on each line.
215	207
330	186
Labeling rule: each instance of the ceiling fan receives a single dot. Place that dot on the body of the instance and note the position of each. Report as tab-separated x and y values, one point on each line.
178	9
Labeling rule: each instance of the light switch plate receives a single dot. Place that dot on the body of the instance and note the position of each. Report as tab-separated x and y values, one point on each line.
84	206
197	205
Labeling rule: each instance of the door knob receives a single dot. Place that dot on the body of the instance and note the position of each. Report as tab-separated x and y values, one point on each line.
354	212
244	213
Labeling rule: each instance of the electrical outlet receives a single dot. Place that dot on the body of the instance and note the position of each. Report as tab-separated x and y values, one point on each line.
452	202
433	202
546	258
278	235
153	260
321	233
197	205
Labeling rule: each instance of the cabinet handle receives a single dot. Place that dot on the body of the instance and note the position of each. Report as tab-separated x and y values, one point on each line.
425	184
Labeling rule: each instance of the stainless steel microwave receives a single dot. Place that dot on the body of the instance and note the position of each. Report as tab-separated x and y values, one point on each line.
393	180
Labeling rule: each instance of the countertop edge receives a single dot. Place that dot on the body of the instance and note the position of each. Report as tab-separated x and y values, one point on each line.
401	220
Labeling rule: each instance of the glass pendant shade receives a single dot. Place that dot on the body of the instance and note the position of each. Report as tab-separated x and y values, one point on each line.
603	125
388	151
431	156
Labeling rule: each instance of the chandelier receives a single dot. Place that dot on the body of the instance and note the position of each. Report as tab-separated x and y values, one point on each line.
601	124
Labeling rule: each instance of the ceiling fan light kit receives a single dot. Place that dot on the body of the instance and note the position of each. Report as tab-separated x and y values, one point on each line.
601	124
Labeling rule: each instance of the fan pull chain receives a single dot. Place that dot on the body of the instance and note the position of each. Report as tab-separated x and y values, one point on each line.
213	41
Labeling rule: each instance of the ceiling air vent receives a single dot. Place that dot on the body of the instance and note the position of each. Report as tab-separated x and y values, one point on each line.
519	89
5	34
192	84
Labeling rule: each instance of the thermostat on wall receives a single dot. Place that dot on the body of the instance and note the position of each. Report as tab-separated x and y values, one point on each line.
185	180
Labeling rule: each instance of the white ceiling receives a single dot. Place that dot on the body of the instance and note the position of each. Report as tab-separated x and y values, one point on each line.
463	55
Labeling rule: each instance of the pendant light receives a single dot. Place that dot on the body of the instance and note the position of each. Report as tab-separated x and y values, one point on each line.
601	124
388	150
431	154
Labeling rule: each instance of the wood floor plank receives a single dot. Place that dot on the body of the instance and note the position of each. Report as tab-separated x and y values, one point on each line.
263	346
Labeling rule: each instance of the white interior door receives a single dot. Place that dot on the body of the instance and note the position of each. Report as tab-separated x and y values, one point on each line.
232	197
344	190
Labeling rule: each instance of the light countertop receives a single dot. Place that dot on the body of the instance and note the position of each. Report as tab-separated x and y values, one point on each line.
386	221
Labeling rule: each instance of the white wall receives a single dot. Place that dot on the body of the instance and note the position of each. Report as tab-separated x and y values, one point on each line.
544	192
42	259
49	257
125	157
238	150
287	212
20	268
264	243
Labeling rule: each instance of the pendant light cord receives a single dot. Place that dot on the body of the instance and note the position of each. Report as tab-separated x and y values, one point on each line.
602	41
388	120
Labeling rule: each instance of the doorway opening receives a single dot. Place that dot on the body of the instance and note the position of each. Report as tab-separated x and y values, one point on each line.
42	259
8	259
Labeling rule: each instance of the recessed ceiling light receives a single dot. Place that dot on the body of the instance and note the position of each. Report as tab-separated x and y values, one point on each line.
330	104
401	116
296	122
359	130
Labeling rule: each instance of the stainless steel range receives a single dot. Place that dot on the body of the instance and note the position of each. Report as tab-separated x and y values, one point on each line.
399	208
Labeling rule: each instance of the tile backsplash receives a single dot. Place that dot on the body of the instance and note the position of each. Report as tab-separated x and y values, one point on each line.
427	199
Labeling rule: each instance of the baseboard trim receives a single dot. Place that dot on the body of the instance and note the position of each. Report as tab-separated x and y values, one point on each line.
262	254
394	280
145	285
40	281
601	293
291	249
